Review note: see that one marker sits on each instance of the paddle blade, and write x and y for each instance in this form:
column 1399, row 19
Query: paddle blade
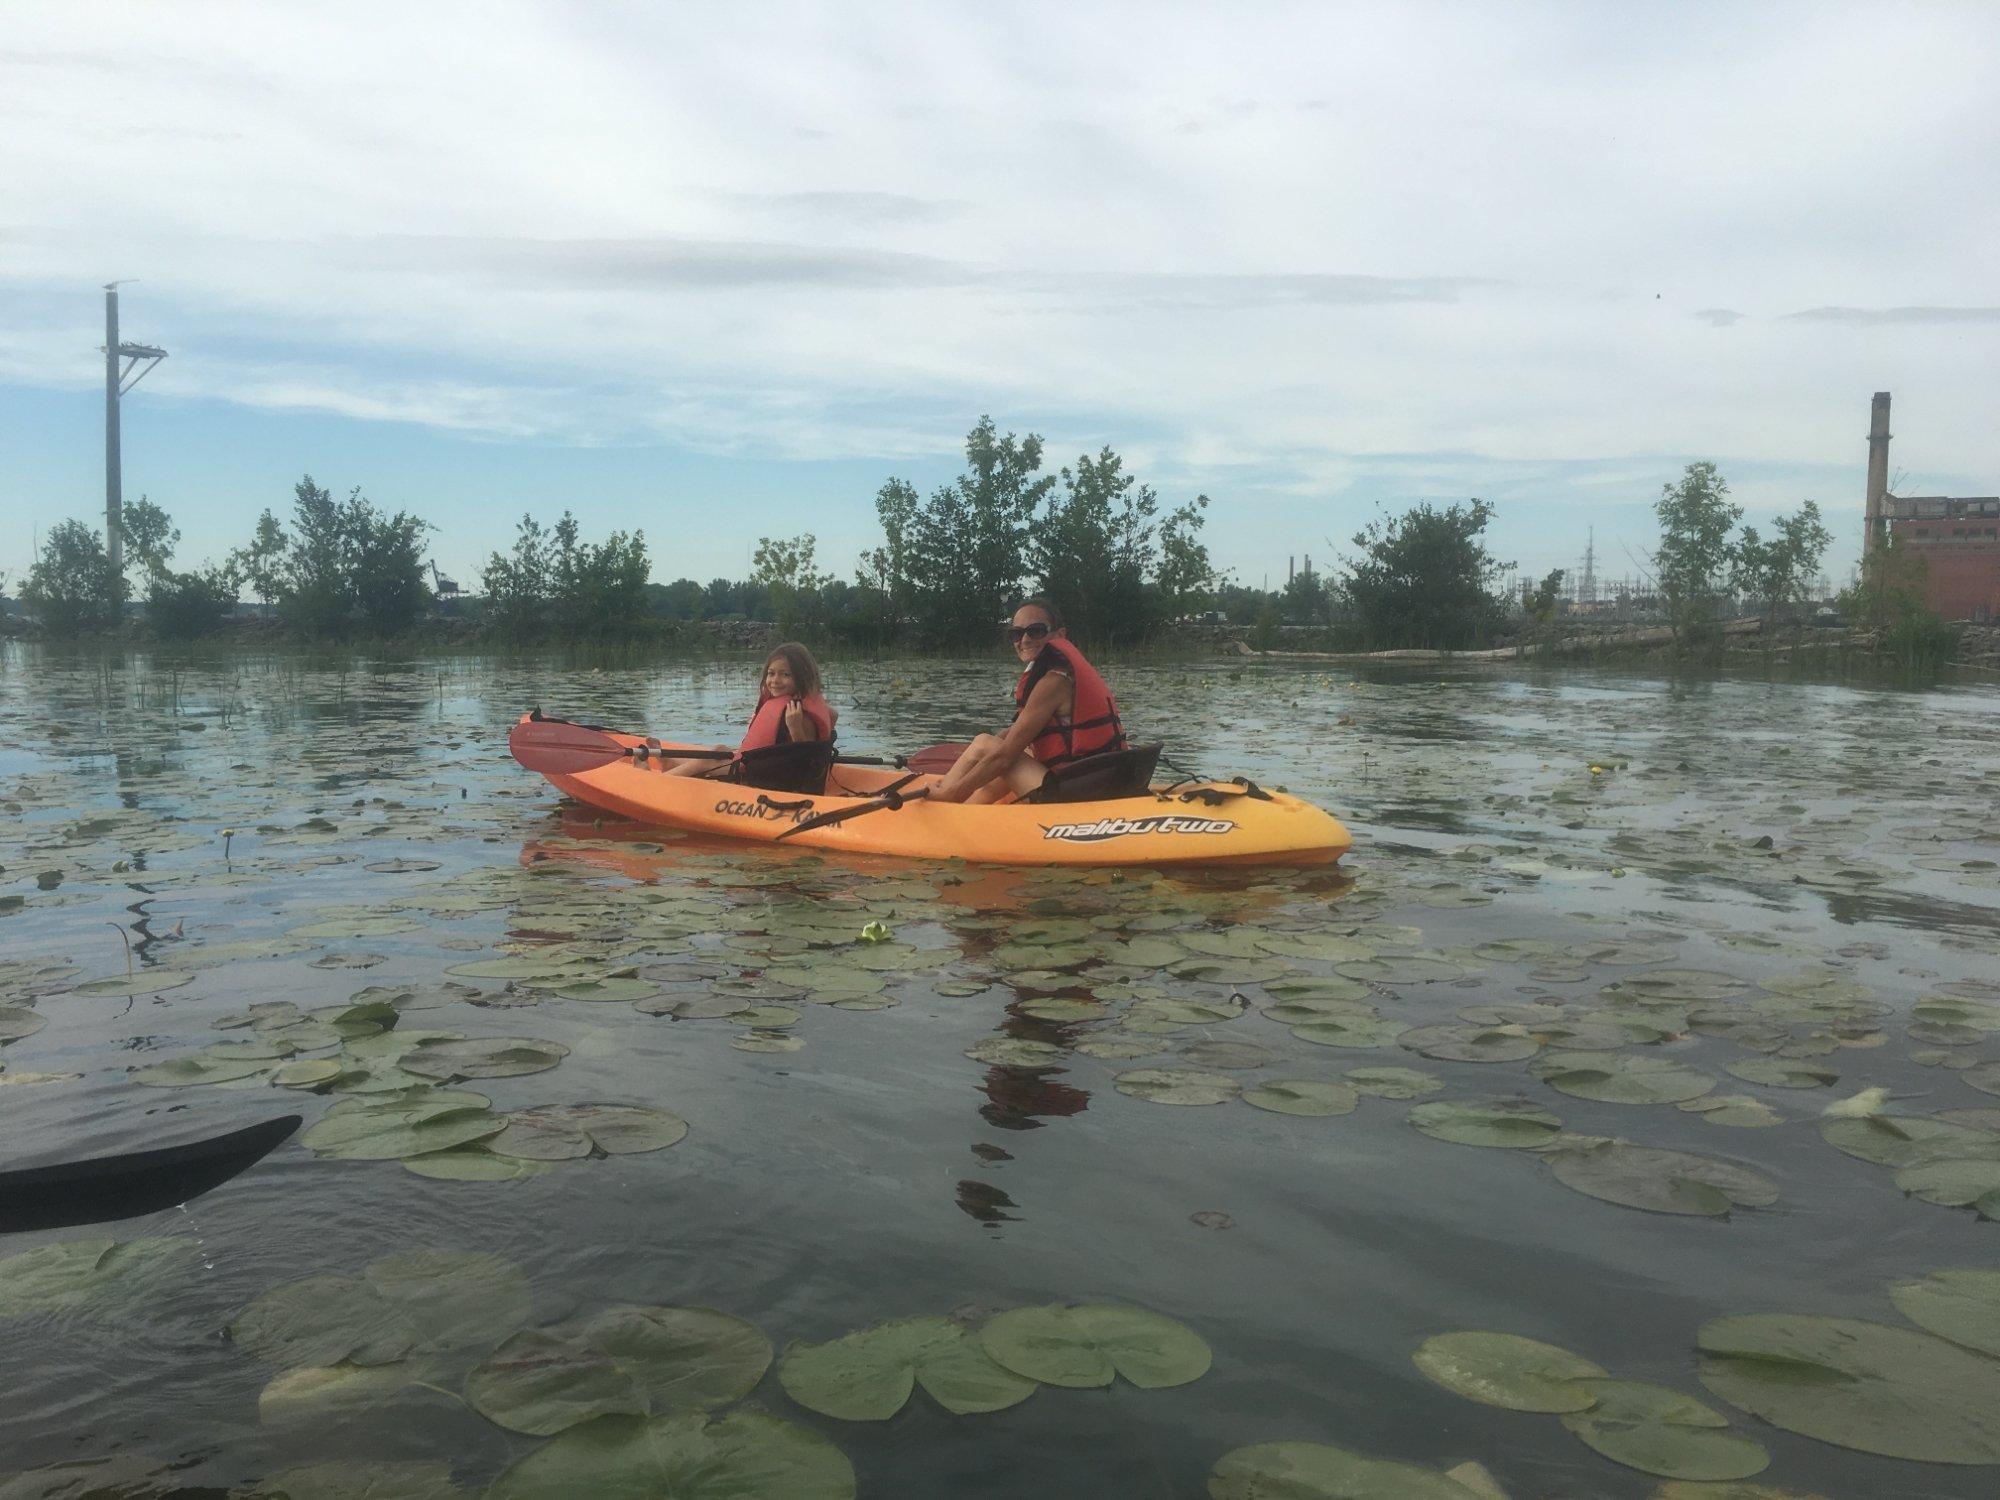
column 107, row 1188
column 556, row 747
column 935, row 760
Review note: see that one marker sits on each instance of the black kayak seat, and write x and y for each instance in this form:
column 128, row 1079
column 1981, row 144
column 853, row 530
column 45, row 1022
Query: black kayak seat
column 1101, row 778
column 792, row 766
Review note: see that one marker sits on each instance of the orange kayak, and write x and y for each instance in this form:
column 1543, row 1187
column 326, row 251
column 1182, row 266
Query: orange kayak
column 1200, row 823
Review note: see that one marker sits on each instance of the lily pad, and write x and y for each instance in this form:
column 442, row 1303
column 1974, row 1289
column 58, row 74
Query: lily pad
column 1482, row 1044
column 1089, row 1345
column 1783, row 1073
column 1300, row 1096
column 400, row 1127
column 1659, row 1181
column 95, row 1279
column 869, row 1375
column 1505, row 1369
column 1486, row 1122
column 1188, row 1086
column 1319, row 1471
column 17, row 1021
column 625, row 1360
column 559, row 1132
column 1955, row 1182
column 347, row 1479
column 1394, row 1083
column 483, row 1057
column 1907, row 1140
column 188, row 1072
column 1962, row 1306
column 1658, row 1430
column 1625, row 1080
column 417, row 1301
column 743, row 1456
column 1857, row 1384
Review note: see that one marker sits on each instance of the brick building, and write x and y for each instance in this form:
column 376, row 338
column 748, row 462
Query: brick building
column 1958, row 536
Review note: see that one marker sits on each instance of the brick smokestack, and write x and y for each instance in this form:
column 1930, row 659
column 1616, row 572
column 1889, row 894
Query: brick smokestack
column 1878, row 472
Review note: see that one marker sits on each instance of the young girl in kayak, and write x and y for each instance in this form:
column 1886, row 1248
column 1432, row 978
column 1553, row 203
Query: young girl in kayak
column 790, row 706
column 1062, row 712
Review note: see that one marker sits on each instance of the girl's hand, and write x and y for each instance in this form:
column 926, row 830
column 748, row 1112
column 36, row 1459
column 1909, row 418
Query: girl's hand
column 799, row 722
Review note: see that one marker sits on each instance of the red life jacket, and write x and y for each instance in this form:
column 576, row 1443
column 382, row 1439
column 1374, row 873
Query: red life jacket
column 768, row 727
column 1091, row 726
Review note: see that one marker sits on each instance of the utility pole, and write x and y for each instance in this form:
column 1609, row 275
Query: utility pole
column 116, row 384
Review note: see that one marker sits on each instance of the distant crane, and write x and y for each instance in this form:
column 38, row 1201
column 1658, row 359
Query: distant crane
column 116, row 383
column 446, row 588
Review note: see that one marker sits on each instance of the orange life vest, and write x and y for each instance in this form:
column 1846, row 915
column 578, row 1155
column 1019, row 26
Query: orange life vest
column 768, row 727
column 1091, row 727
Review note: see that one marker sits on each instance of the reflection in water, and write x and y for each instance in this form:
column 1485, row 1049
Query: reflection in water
column 986, row 1203
column 1017, row 1097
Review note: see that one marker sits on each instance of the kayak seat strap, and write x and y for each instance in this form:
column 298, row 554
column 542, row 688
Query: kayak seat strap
column 1107, row 776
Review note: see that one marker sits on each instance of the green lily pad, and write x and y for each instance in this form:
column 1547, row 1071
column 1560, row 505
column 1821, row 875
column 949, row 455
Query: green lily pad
column 1659, row 1181
column 1505, row 1369
column 1625, row 1080
column 1188, row 1086
column 347, row 1479
column 17, row 1021
column 124, row 1476
column 483, row 1057
column 1908, row 1140
column 624, row 1360
column 1660, row 1431
column 1482, row 1044
column 473, row 1164
column 1300, row 1096
column 1486, row 1122
column 1953, row 1182
column 402, row 1128
column 1089, row 1345
column 560, row 1132
column 1319, row 1471
column 188, row 1072
column 1738, row 1110
column 1014, row 1052
column 96, row 1279
column 1783, row 1073
column 743, row 1456
column 1857, row 1384
column 1394, row 970
column 1393, row 1083
column 414, row 1302
column 323, row 1393
column 1962, row 1306
column 1351, row 1031
column 869, row 1375
column 1226, row 1054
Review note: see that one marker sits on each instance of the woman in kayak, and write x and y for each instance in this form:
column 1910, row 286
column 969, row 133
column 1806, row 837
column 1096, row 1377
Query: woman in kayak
column 1062, row 712
column 790, row 707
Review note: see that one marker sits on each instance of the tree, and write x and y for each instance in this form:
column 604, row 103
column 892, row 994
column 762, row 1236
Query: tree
column 1307, row 599
column 313, row 592
column 1890, row 601
column 784, row 566
column 517, row 585
column 599, row 588
column 1695, row 556
column 150, row 535
column 72, row 586
column 1092, row 550
column 965, row 551
column 386, row 563
column 261, row 563
column 679, row 600
column 1781, row 571
column 1425, row 578
column 1186, row 577
column 1543, row 604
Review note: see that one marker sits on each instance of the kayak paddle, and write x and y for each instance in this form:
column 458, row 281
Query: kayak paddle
column 139, row 1182
column 888, row 800
column 556, row 747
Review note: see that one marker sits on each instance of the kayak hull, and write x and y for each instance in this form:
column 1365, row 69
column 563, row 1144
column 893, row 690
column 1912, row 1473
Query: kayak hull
column 1201, row 824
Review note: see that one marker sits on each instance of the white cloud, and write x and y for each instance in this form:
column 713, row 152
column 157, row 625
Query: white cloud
column 1262, row 246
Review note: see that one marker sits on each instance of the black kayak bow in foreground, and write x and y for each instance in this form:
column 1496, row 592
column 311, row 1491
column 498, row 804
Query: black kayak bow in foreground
column 138, row 1182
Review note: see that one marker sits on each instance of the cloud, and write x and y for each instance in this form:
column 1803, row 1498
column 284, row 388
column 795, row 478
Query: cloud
column 1877, row 316
column 1719, row 317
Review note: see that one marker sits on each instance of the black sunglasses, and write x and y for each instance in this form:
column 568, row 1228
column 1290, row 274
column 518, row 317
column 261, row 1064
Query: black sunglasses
column 1033, row 632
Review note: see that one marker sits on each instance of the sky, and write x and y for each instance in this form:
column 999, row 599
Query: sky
column 718, row 272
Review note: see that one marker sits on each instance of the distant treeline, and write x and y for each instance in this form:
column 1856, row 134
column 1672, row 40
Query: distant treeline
column 948, row 569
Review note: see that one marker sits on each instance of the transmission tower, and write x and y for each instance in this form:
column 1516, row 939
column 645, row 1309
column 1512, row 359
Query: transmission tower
column 1586, row 586
column 116, row 383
